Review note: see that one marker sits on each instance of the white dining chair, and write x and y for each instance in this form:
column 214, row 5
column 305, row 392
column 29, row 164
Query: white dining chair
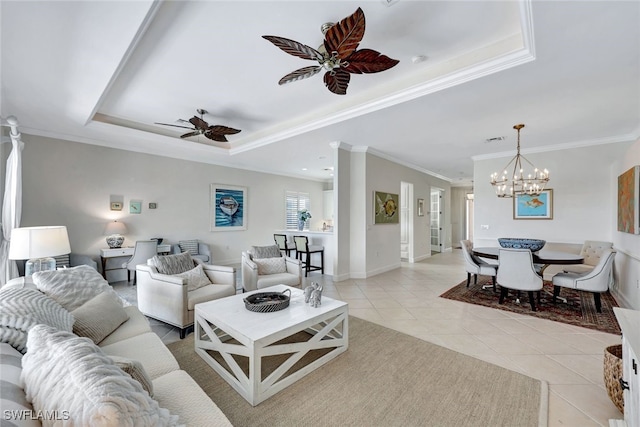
column 516, row 271
column 596, row 281
column 476, row 266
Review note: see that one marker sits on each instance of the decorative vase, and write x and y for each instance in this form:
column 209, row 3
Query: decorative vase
column 300, row 225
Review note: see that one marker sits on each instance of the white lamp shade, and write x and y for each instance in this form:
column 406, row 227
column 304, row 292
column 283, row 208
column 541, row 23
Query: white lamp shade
column 39, row 242
column 115, row 227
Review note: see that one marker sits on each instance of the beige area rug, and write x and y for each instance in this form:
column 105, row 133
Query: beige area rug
column 385, row 378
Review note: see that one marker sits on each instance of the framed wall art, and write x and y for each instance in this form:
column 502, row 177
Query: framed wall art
column 629, row 201
column 385, row 208
column 420, row 207
column 228, row 207
column 533, row 207
column 135, row 206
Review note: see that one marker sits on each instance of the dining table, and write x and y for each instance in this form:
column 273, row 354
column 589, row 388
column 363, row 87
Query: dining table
column 544, row 257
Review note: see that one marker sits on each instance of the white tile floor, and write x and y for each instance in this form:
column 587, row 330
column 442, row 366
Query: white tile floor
column 569, row 358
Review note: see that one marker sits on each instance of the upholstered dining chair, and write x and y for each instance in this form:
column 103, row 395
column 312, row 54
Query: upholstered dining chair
column 596, row 281
column 516, row 272
column 144, row 250
column 477, row 266
column 283, row 244
column 304, row 249
column 592, row 251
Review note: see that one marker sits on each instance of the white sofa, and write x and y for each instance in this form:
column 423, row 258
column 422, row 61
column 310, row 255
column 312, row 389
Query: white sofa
column 173, row 389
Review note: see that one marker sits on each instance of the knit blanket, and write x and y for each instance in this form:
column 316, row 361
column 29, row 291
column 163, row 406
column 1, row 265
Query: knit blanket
column 22, row 309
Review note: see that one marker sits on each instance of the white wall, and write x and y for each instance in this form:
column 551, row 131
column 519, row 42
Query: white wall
column 580, row 179
column 584, row 183
column 67, row 183
column 628, row 245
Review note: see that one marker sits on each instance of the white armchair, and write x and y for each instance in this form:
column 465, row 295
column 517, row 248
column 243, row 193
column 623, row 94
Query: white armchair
column 167, row 298
column 257, row 277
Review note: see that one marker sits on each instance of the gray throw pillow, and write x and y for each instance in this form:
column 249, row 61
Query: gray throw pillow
column 99, row 316
column 265, row 252
column 190, row 246
column 173, row 264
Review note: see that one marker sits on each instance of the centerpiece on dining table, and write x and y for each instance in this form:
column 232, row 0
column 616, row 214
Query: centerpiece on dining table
column 534, row 245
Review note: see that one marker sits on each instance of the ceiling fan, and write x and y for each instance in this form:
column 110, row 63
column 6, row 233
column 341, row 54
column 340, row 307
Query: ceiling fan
column 200, row 127
column 337, row 55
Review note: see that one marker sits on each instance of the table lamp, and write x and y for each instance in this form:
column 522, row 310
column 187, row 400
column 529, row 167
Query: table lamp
column 114, row 231
column 38, row 245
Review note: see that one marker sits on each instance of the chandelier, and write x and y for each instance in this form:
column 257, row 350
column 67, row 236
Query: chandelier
column 519, row 182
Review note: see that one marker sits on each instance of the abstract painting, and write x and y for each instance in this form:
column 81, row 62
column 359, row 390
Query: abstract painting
column 628, row 201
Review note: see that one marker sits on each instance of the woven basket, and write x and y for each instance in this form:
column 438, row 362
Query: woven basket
column 613, row 373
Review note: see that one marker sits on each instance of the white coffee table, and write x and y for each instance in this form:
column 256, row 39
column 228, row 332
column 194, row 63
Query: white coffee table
column 254, row 334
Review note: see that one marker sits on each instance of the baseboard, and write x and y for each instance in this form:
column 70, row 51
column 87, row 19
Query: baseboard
column 420, row 258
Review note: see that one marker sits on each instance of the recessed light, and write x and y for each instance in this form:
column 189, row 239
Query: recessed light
column 304, row 169
column 418, row 59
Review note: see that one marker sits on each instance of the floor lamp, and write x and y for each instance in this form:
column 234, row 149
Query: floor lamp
column 38, row 245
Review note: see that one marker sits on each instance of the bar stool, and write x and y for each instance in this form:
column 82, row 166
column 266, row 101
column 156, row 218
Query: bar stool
column 283, row 244
column 303, row 247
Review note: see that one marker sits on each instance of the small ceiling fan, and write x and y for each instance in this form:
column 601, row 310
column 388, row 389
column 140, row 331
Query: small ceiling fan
column 337, row 55
column 200, row 127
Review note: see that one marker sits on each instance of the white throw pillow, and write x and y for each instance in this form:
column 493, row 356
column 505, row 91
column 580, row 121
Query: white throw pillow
column 196, row 278
column 99, row 316
column 73, row 376
column 22, row 309
column 271, row 265
column 71, row 287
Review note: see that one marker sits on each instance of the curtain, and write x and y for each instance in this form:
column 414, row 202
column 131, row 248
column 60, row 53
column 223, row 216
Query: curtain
column 12, row 203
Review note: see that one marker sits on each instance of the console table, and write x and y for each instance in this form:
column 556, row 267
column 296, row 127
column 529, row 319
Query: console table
column 107, row 253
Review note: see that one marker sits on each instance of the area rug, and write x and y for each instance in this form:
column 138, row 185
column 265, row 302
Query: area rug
column 580, row 309
column 385, row 378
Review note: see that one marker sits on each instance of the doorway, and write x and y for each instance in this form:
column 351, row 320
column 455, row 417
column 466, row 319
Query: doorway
column 436, row 220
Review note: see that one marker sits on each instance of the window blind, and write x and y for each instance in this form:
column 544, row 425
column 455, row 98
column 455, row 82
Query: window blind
column 294, row 202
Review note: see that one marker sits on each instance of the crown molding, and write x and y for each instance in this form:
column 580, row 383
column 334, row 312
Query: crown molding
column 630, row 137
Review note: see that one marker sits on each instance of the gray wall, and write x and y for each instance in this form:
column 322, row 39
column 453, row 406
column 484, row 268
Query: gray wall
column 68, row 183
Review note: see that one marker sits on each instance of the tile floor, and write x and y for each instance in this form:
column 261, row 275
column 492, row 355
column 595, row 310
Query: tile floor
column 569, row 358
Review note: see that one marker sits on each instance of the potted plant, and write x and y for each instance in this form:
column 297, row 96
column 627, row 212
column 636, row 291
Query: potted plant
column 303, row 216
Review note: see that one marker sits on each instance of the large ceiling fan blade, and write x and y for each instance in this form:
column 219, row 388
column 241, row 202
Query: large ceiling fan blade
column 345, row 36
column 295, row 48
column 175, row 126
column 300, row 74
column 368, row 61
column 187, row 135
column 198, row 123
column 337, row 81
column 215, row 136
column 223, row 130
